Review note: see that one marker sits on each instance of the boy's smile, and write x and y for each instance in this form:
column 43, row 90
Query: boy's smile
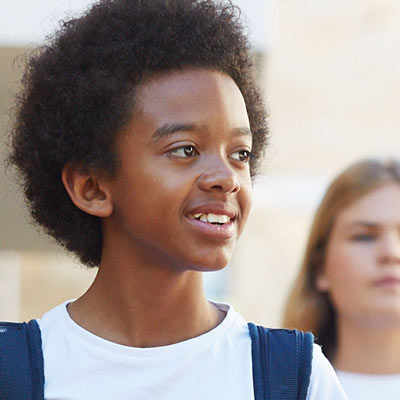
column 182, row 194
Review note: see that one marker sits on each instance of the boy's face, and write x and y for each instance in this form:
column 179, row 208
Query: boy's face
column 182, row 194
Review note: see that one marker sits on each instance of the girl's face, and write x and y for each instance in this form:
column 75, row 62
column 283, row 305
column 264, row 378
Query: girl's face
column 362, row 262
column 183, row 191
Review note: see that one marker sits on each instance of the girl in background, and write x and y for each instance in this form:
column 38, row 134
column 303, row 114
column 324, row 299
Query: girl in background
column 348, row 289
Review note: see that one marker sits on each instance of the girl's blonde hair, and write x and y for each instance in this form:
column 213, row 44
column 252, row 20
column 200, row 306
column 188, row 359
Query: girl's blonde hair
column 307, row 308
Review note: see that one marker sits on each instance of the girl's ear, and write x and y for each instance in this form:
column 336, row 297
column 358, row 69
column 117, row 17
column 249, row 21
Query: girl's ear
column 322, row 281
column 318, row 262
column 87, row 190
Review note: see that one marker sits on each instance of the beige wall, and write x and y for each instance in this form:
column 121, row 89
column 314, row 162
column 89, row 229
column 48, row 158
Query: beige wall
column 32, row 282
column 332, row 85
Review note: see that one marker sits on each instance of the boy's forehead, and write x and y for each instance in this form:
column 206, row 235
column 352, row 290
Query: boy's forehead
column 179, row 81
column 190, row 92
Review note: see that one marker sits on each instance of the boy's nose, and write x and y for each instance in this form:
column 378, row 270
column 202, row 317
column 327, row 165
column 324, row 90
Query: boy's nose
column 219, row 176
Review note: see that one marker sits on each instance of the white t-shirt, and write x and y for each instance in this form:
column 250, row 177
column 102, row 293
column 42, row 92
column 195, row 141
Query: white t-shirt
column 215, row 365
column 370, row 387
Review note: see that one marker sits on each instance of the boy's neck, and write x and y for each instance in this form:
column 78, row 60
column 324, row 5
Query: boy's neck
column 372, row 349
column 145, row 307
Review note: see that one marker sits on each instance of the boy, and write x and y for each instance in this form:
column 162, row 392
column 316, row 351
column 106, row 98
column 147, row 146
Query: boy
column 138, row 131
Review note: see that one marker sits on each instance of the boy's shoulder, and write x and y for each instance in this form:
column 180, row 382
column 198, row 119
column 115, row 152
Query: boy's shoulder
column 55, row 313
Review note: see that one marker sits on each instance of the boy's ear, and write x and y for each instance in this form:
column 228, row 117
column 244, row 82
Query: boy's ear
column 87, row 190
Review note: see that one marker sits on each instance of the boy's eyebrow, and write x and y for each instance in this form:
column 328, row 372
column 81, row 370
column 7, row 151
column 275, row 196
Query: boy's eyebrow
column 170, row 129
column 242, row 132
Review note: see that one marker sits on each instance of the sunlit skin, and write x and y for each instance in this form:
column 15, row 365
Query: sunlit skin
column 362, row 276
column 185, row 152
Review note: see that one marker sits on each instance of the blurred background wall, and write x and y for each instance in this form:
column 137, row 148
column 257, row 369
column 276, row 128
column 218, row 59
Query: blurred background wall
column 329, row 73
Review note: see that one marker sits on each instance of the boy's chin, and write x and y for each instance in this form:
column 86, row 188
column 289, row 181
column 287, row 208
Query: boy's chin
column 213, row 268
column 205, row 260
column 213, row 265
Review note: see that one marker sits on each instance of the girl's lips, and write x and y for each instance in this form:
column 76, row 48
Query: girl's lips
column 213, row 231
column 389, row 282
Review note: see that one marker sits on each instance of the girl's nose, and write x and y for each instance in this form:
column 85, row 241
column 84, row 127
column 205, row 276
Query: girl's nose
column 390, row 249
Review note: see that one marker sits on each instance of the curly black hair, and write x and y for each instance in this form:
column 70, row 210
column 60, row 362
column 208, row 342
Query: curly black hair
column 78, row 92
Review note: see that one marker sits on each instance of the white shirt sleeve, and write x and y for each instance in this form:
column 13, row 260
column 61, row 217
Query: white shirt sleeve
column 324, row 384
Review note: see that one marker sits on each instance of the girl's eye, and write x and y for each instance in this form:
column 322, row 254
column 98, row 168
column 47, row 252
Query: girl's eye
column 241, row 155
column 184, row 151
column 363, row 237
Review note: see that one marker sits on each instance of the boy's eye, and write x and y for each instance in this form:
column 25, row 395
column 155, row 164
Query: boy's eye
column 184, row 151
column 241, row 155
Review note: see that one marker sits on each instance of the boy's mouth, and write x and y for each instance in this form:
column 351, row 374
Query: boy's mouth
column 216, row 225
column 215, row 219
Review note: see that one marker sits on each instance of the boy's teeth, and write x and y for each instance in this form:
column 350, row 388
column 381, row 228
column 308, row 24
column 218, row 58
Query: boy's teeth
column 212, row 218
column 221, row 219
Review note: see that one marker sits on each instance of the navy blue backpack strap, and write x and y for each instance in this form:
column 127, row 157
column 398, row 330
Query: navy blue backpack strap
column 281, row 363
column 21, row 361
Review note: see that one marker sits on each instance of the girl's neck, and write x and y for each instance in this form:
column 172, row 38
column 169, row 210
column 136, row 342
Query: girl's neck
column 371, row 349
column 145, row 307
